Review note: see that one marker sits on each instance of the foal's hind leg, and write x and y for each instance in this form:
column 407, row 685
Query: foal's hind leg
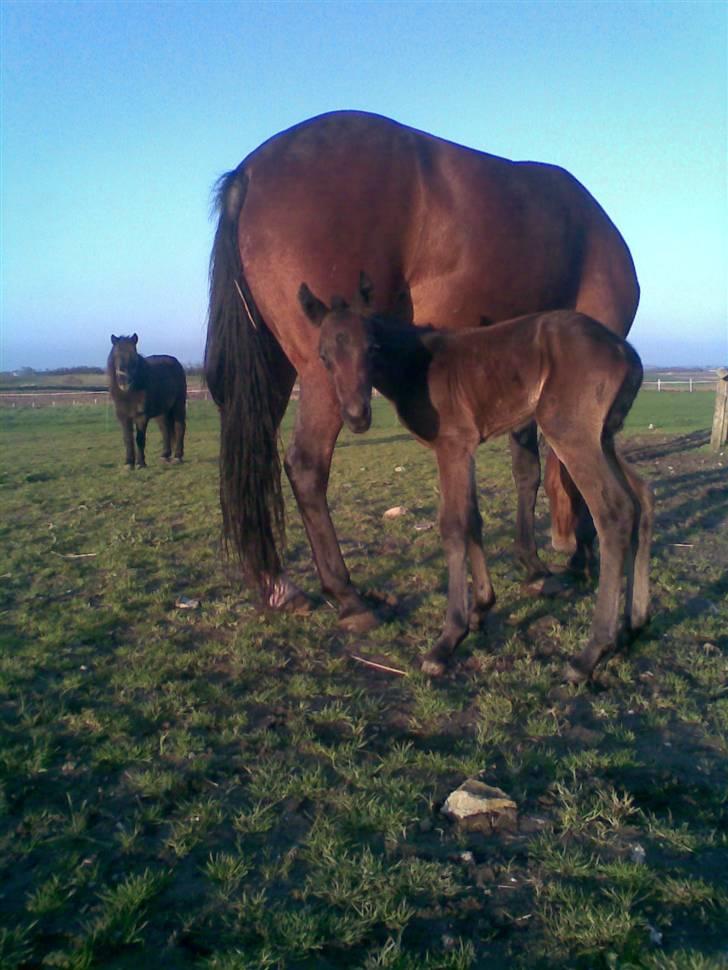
column 637, row 601
column 483, row 592
column 527, row 476
column 612, row 509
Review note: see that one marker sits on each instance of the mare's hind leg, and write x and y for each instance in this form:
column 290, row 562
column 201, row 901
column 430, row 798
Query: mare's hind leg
column 307, row 463
column 483, row 592
column 454, row 461
column 612, row 509
column 141, row 441
column 527, row 477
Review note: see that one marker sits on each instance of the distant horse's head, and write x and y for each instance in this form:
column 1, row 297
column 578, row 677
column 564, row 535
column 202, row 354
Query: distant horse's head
column 345, row 347
column 124, row 362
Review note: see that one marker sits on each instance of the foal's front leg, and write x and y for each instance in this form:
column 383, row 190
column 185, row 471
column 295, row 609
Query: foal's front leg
column 307, row 464
column 483, row 592
column 454, row 461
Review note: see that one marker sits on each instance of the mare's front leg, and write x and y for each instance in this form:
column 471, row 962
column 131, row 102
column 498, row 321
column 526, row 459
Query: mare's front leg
column 141, row 440
column 307, row 463
column 127, row 429
column 527, row 477
column 454, row 460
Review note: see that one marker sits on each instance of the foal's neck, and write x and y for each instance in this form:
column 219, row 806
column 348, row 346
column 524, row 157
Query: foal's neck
column 401, row 358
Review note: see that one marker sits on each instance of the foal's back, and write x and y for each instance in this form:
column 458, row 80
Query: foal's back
column 550, row 366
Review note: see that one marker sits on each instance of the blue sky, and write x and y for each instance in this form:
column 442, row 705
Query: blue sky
column 117, row 117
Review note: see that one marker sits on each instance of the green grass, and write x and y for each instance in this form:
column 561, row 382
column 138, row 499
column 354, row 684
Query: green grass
column 221, row 789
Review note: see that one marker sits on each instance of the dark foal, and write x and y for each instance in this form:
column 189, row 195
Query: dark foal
column 144, row 388
column 455, row 389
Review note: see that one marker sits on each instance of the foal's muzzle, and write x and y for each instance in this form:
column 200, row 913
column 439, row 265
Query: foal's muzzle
column 359, row 419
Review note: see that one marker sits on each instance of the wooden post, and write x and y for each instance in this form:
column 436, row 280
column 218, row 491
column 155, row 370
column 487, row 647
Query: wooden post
column 719, row 435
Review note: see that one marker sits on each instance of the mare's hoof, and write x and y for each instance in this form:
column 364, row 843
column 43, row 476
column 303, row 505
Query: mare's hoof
column 548, row 586
column 166, row 459
column 178, row 461
column 575, row 674
column 297, row 604
column 361, row 622
column 143, row 465
column 432, row 668
column 129, row 467
column 563, row 543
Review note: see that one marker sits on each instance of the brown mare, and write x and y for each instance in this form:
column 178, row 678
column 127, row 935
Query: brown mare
column 453, row 390
column 468, row 237
column 144, row 388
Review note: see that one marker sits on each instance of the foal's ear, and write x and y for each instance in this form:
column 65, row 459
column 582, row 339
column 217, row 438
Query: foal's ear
column 314, row 309
column 134, row 339
column 366, row 290
column 114, row 340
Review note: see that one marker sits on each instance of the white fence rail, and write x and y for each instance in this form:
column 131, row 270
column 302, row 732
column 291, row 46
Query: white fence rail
column 689, row 384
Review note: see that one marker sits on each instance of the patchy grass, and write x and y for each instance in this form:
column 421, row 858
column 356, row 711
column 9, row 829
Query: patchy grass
column 220, row 789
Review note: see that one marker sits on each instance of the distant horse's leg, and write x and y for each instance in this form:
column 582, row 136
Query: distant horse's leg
column 165, row 426
column 178, row 424
column 307, row 463
column 612, row 508
column 483, row 593
column 637, row 600
column 454, row 464
column 127, row 428
column 572, row 529
column 141, row 441
column 527, row 476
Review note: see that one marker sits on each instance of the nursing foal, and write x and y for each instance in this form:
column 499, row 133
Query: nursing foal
column 455, row 389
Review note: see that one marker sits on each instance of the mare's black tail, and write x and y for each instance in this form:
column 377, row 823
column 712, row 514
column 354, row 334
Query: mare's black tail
column 239, row 356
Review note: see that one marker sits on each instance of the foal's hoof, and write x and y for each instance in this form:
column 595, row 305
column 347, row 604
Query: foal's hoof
column 360, row 622
column 432, row 668
column 547, row 586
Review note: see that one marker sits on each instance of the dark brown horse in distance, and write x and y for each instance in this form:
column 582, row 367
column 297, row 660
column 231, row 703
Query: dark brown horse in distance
column 453, row 390
column 144, row 388
column 466, row 237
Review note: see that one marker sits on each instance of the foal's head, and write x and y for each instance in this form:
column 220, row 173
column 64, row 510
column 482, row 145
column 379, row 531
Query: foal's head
column 124, row 361
column 345, row 347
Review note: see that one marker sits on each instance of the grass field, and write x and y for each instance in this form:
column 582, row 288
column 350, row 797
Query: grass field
column 221, row 789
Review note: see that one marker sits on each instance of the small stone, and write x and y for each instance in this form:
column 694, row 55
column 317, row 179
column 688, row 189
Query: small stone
column 481, row 807
column 184, row 603
column 638, row 855
column 395, row 512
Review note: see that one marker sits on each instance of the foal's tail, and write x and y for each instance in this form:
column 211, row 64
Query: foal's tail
column 627, row 392
column 239, row 356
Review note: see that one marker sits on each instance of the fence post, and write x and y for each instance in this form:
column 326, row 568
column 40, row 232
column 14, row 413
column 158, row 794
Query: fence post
column 691, row 385
column 719, row 435
column 658, row 383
